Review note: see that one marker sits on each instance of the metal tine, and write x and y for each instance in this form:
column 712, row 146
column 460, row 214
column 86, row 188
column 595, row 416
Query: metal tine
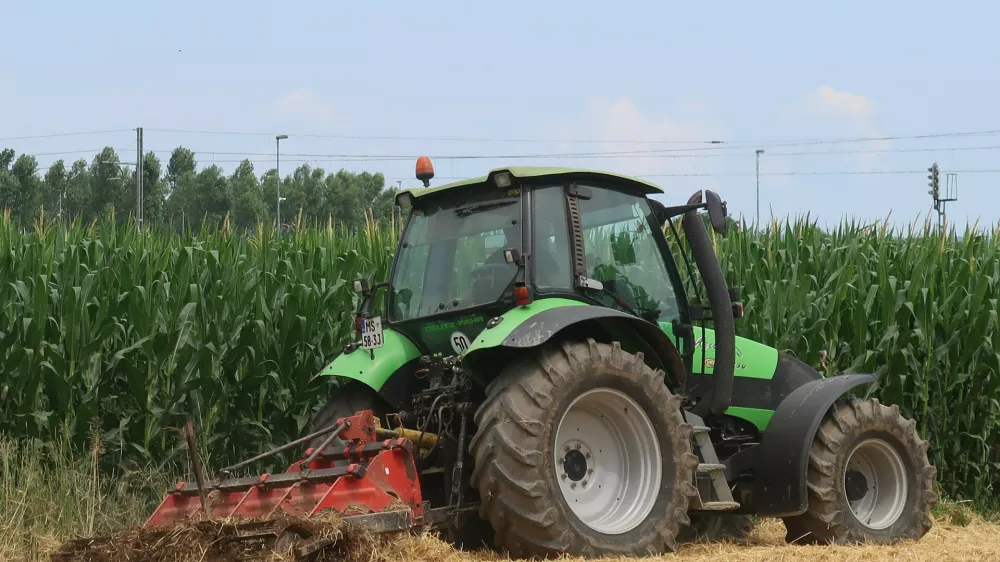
column 196, row 461
column 321, row 448
column 337, row 430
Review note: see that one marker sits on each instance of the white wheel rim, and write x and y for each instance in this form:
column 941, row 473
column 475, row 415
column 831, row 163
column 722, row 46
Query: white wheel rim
column 607, row 461
column 875, row 469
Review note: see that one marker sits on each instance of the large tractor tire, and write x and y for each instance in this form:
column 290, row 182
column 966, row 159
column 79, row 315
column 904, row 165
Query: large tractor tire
column 869, row 479
column 581, row 449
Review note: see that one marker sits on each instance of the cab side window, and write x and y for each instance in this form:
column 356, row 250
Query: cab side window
column 623, row 255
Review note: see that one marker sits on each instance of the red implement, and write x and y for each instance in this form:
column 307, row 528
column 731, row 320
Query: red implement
column 369, row 479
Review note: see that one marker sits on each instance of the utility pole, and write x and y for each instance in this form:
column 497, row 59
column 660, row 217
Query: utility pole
column 277, row 169
column 138, row 175
column 759, row 152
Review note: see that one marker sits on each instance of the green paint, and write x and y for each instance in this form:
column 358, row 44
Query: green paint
column 756, row 416
column 450, row 324
column 441, row 337
column 492, row 337
column 360, row 366
column 753, row 360
column 522, row 172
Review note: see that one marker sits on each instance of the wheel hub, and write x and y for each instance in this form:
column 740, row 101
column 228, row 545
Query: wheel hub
column 575, row 465
column 607, row 461
column 855, row 485
column 875, row 484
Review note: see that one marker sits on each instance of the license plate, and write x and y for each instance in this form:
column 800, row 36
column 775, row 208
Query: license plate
column 371, row 333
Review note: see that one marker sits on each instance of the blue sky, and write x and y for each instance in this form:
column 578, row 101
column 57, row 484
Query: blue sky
column 509, row 77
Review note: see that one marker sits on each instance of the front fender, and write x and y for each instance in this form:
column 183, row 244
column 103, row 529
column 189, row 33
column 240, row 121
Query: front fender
column 783, row 453
column 535, row 324
column 374, row 368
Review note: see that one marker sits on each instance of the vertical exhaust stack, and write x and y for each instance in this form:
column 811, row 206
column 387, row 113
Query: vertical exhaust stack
column 719, row 399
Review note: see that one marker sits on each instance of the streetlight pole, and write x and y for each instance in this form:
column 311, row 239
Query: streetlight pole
column 759, row 151
column 277, row 169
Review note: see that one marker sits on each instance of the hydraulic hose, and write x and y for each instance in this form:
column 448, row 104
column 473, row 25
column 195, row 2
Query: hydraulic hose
column 722, row 312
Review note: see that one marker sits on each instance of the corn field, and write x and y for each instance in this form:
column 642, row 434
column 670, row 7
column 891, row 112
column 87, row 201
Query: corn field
column 126, row 330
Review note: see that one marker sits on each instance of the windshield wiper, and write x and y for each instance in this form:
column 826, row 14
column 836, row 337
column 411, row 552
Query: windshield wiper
column 480, row 207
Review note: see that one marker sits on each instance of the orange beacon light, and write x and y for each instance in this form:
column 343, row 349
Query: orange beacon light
column 425, row 170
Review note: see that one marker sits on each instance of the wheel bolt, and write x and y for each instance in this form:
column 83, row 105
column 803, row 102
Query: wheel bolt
column 584, row 483
column 573, row 485
column 567, row 449
column 589, row 471
column 587, row 455
column 578, row 446
column 563, row 476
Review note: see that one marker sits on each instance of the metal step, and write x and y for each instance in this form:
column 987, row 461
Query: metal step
column 723, row 500
column 719, row 506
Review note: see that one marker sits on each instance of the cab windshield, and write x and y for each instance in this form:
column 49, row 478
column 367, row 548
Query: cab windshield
column 451, row 255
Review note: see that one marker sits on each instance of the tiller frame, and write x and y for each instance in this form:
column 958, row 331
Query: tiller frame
column 375, row 488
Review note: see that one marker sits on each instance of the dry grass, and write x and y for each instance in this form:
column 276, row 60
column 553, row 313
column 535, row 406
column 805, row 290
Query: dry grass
column 947, row 541
column 957, row 536
column 48, row 498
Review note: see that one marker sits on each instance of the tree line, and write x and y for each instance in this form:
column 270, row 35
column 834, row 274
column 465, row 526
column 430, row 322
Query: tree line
column 180, row 194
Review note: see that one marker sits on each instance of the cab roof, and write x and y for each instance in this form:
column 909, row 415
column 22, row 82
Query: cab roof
column 523, row 172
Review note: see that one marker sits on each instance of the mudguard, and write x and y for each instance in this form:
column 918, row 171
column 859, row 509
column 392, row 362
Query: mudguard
column 532, row 325
column 782, row 458
column 377, row 366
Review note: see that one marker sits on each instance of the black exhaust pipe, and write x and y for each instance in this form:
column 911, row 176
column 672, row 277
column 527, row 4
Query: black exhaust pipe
column 719, row 399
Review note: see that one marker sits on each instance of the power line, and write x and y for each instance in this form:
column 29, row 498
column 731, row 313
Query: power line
column 751, row 174
column 608, row 154
column 95, row 150
column 799, row 142
column 53, row 135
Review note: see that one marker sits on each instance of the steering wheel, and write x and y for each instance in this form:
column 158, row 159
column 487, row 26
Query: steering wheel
column 490, row 269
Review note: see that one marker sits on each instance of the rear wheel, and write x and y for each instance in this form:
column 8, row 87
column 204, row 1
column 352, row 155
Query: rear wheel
column 581, row 449
column 869, row 479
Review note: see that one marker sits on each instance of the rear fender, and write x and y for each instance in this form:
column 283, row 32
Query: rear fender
column 533, row 325
column 377, row 368
column 782, row 458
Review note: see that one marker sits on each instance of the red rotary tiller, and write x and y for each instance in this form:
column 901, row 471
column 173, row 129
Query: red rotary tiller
column 369, row 484
column 371, row 477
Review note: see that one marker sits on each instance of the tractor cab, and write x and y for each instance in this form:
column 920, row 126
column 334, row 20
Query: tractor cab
column 473, row 250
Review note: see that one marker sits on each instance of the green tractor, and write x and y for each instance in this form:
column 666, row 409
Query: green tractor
column 538, row 344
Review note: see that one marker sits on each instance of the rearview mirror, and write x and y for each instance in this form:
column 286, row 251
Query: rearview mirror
column 717, row 212
column 659, row 211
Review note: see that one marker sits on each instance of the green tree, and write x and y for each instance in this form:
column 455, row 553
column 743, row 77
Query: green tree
column 109, row 185
column 247, row 197
column 77, row 202
column 24, row 202
column 181, row 161
column 54, row 189
column 153, row 189
column 6, row 158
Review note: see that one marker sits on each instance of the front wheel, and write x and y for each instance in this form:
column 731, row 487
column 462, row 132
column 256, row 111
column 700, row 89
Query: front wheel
column 581, row 449
column 349, row 399
column 869, row 479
